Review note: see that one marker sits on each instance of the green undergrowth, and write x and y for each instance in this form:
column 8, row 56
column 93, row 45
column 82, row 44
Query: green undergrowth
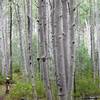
column 2, row 80
column 84, row 82
column 87, row 87
column 22, row 89
column 39, row 84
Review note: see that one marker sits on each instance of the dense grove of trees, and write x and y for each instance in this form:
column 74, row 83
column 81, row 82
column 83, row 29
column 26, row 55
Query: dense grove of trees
column 54, row 45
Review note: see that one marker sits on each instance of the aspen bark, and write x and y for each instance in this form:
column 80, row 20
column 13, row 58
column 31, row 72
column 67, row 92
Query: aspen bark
column 23, row 62
column 72, row 48
column 98, row 35
column 92, row 39
column 40, row 39
column 45, row 52
column 29, row 49
column 43, row 46
column 2, row 40
column 10, row 32
column 53, row 26
column 61, row 80
column 65, row 38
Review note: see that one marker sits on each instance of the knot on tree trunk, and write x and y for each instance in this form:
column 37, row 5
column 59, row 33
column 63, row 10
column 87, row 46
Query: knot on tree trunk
column 38, row 59
column 43, row 58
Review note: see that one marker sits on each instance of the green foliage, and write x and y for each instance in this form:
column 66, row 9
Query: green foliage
column 83, row 62
column 24, row 89
column 17, row 77
column 84, row 83
column 39, row 86
column 54, row 90
column 87, row 87
column 84, row 11
column 20, row 90
column 2, row 79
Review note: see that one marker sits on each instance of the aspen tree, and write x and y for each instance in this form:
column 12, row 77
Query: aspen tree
column 10, row 33
column 43, row 46
column 98, row 34
column 29, row 46
column 23, row 62
column 92, row 38
column 61, row 79
column 72, row 48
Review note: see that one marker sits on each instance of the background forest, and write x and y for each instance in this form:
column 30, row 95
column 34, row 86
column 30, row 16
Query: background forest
column 50, row 49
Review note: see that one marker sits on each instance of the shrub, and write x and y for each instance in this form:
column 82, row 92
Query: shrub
column 2, row 80
column 20, row 90
column 84, row 83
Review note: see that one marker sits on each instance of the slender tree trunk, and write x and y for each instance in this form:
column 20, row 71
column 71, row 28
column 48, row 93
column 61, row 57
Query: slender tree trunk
column 53, row 26
column 45, row 51
column 2, row 40
column 26, row 39
column 61, row 80
column 98, row 35
column 10, row 39
column 3, row 54
column 77, row 40
column 72, row 50
column 65, row 38
column 30, row 58
column 43, row 46
column 23, row 62
column 53, row 31
column 6, row 46
column 92, row 39
column 40, row 36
